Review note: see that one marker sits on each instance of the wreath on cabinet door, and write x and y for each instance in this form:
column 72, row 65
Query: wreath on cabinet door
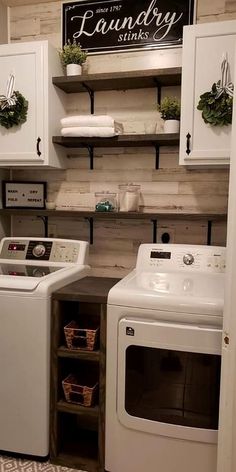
column 217, row 105
column 13, row 106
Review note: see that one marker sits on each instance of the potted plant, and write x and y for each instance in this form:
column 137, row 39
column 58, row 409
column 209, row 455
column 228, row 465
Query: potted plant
column 72, row 57
column 170, row 113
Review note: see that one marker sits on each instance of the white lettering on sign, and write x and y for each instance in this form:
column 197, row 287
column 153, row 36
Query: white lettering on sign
column 164, row 23
column 34, row 199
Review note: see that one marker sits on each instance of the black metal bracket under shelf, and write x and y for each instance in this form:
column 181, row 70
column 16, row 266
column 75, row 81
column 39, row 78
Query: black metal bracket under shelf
column 157, row 162
column 91, row 96
column 209, row 232
column 158, row 87
column 91, row 148
column 154, row 229
column 45, row 222
column 91, row 155
column 91, row 232
column 90, row 221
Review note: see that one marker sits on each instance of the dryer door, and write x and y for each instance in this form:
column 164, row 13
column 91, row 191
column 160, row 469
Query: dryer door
column 169, row 378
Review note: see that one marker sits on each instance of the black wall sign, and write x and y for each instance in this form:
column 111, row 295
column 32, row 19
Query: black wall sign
column 117, row 25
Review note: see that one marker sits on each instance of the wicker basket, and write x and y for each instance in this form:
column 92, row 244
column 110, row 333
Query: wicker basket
column 78, row 337
column 75, row 392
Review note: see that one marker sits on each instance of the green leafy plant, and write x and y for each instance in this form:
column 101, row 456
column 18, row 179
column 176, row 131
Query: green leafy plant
column 14, row 115
column 71, row 53
column 170, row 108
column 216, row 110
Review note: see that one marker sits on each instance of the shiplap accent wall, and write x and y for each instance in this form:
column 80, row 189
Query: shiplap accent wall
column 168, row 189
column 3, row 23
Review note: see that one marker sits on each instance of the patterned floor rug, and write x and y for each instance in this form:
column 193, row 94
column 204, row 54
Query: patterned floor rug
column 10, row 464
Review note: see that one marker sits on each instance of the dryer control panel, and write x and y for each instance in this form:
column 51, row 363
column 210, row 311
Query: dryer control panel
column 180, row 257
column 45, row 249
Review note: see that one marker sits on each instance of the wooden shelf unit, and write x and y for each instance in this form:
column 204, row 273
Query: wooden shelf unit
column 122, row 140
column 91, row 216
column 114, row 215
column 91, row 83
column 77, row 433
column 119, row 80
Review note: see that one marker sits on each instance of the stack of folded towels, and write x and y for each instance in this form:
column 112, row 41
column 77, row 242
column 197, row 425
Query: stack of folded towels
column 102, row 126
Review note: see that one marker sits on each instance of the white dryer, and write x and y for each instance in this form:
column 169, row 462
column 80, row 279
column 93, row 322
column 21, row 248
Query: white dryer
column 30, row 270
column 164, row 328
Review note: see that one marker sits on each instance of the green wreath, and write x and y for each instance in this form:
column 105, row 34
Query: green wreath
column 217, row 105
column 14, row 114
column 216, row 110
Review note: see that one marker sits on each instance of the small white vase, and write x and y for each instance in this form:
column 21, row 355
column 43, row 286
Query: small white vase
column 171, row 126
column 73, row 69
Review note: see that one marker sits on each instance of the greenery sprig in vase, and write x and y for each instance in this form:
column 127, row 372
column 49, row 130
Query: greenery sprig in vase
column 72, row 54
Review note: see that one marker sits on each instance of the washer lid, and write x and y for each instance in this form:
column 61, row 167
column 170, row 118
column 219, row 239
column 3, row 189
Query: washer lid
column 176, row 291
column 24, row 277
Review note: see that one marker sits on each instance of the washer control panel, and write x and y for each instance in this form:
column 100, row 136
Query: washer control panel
column 180, row 257
column 53, row 250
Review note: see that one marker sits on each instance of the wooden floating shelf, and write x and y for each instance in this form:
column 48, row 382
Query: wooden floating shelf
column 78, row 354
column 77, row 409
column 119, row 80
column 114, row 215
column 122, row 140
column 81, row 290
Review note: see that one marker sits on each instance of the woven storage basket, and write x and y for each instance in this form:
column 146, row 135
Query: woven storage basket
column 77, row 393
column 78, row 337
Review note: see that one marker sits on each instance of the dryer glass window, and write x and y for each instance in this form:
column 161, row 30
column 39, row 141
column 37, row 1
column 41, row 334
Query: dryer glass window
column 173, row 387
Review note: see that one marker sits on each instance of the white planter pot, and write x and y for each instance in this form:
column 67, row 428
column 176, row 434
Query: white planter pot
column 73, row 69
column 171, row 126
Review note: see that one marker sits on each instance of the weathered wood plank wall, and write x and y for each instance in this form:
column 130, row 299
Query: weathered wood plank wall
column 172, row 187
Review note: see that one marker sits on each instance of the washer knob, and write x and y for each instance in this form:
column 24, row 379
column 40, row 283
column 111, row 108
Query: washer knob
column 188, row 259
column 39, row 250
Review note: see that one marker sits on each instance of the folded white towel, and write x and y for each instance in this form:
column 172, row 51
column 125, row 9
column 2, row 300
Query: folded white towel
column 89, row 131
column 87, row 120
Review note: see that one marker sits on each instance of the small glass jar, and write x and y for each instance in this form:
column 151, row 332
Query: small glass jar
column 105, row 201
column 129, row 197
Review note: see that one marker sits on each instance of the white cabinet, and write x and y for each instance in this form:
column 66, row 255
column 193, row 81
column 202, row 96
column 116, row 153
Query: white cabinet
column 33, row 64
column 204, row 46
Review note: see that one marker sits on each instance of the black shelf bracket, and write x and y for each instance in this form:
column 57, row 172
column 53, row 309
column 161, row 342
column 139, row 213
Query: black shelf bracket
column 91, row 155
column 45, row 222
column 209, row 231
column 91, row 96
column 154, row 231
column 158, row 86
column 90, row 221
column 157, row 164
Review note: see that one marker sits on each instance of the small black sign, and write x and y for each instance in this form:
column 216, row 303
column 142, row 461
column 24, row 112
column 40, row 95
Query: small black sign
column 17, row 194
column 118, row 25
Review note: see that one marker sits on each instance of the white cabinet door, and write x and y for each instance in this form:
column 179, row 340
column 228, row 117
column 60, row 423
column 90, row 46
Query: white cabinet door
column 21, row 143
column 204, row 47
column 33, row 65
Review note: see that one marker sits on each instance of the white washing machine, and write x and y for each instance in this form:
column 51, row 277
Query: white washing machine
column 164, row 328
column 30, row 270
